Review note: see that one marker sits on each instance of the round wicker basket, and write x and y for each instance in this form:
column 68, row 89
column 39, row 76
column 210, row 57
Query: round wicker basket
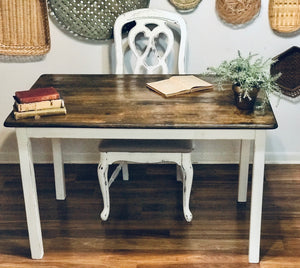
column 237, row 11
column 185, row 4
column 93, row 20
column 284, row 15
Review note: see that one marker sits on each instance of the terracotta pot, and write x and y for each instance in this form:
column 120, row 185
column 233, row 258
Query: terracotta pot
column 244, row 103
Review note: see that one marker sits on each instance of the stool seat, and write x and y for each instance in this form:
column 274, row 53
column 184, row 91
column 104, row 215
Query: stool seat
column 145, row 146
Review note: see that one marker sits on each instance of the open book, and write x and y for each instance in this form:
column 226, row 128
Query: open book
column 176, row 85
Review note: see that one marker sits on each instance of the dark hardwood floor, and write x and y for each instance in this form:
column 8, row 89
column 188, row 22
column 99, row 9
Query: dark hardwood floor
column 146, row 227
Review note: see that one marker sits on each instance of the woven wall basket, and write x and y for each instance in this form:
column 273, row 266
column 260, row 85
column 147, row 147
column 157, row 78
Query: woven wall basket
column 24, row 28
column 185, row 4
column 237, row 11
column 284, row 15
column 288, row 64
column 92, row 20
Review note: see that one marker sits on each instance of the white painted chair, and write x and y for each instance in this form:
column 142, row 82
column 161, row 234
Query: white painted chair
column 151, row 41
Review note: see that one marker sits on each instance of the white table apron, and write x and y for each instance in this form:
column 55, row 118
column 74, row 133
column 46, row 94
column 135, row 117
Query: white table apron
column 245, row 135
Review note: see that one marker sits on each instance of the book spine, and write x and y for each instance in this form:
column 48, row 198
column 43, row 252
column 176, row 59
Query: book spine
column 38, row 113
column 33, row 106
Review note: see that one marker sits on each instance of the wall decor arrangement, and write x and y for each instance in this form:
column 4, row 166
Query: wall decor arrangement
column 185, row 5
column 237, row 12
column 24, row 28
column 284, row 15
column 288, row 64
column 91, row 19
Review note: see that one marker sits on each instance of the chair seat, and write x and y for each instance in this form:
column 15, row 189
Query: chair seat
column 144, row 146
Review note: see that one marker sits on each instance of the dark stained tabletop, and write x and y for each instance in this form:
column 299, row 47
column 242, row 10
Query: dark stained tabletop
column 124, row 101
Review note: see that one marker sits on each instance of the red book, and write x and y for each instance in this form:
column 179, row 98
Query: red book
column 37, row 94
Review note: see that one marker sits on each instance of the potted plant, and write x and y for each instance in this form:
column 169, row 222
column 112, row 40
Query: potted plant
column 248, row 76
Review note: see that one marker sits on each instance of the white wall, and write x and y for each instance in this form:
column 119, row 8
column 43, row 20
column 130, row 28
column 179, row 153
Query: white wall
column 211, row 41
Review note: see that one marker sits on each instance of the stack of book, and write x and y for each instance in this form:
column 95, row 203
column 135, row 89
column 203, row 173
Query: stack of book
column 38, row 102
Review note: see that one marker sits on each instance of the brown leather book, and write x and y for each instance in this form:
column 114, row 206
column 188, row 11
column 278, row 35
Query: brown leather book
column 37, row 94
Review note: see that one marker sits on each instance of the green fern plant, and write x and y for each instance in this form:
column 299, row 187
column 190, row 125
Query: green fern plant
column 249, row 73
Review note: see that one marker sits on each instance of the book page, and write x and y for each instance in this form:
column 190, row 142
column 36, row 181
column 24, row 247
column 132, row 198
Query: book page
column 190, row 81
column 176, row 85
column 167, row 86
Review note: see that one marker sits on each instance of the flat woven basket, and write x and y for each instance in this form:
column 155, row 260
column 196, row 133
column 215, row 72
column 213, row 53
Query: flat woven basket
column 24, row 27
column 237, row 11
column 92, row 20
column 288, row 64
column 284, row 15
column 185, row 4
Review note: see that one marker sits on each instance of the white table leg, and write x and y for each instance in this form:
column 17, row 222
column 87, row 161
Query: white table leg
column 30, row 194
column 59, row 172
column 244, row 169
column 257, row 196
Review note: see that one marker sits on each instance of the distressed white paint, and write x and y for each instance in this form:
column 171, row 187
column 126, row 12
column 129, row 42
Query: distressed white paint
column 149, row 55
column 183, row 160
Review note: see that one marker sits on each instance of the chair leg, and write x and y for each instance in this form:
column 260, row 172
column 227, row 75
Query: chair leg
column 125, row 171
column 187, row 180
column 103, row 181
column 178, row 173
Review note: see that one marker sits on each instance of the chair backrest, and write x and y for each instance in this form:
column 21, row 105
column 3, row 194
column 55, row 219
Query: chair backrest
column 150, row 41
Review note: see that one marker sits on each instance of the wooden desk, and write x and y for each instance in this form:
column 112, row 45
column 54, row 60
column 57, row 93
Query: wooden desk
column 120, row 106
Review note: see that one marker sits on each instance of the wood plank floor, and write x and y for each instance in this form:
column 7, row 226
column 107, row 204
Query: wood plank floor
column 146, row 227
